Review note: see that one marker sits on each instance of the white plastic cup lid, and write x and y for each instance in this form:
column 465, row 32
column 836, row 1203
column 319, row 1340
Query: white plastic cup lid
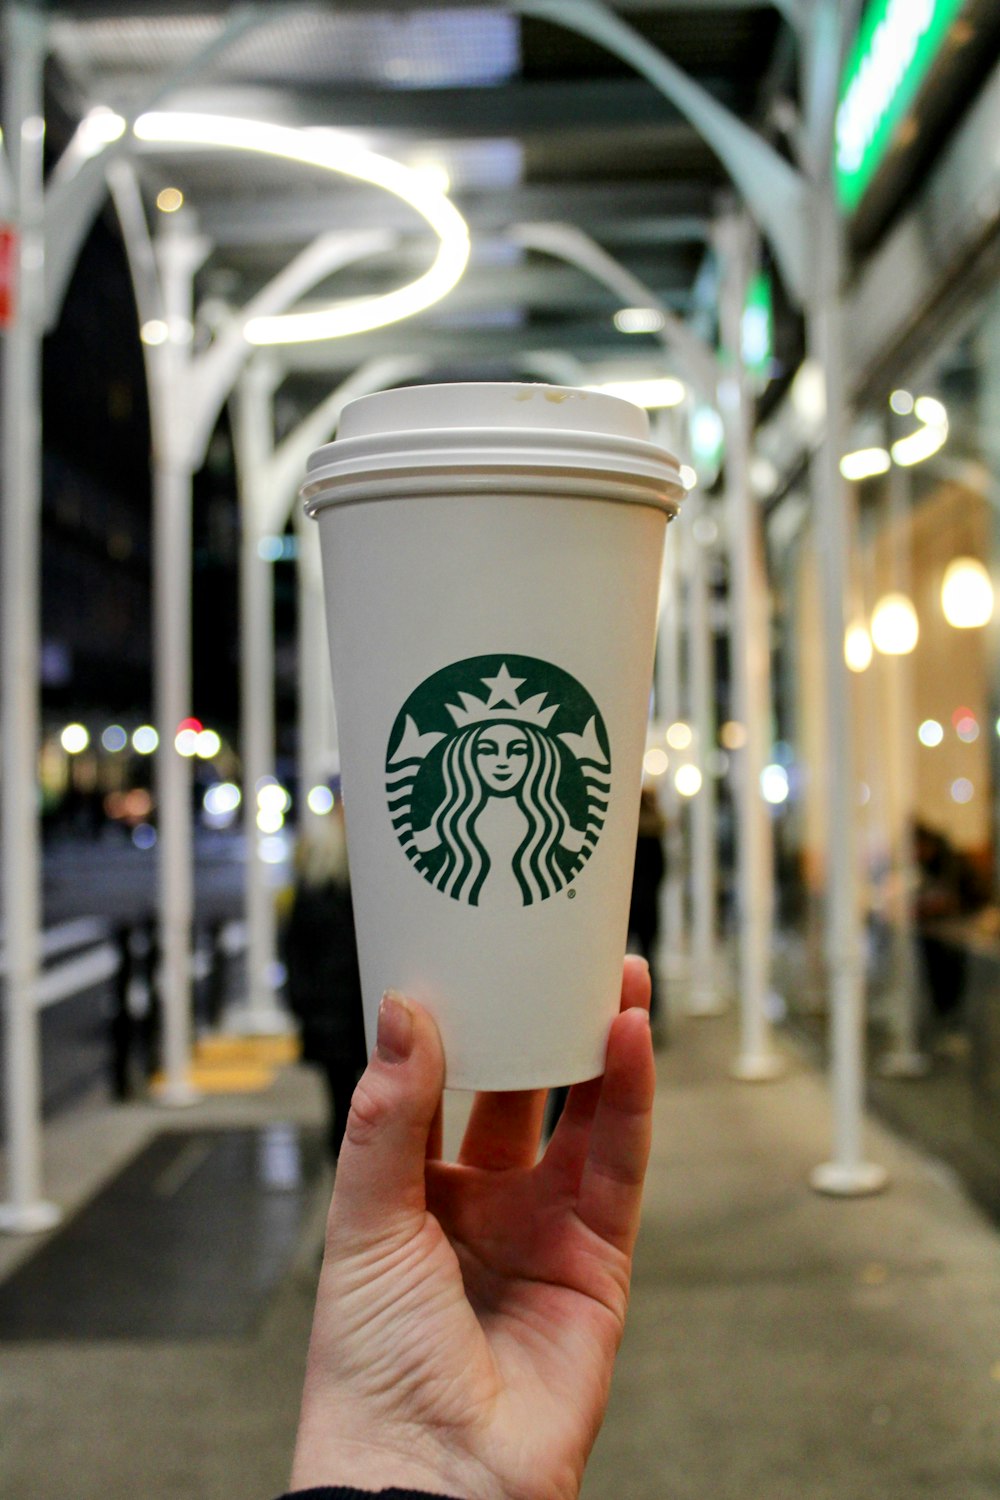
column 446, row 438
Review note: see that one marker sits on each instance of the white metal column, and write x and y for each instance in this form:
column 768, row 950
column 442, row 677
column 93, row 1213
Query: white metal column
column 749, row 672
column 673, row 947
column 797, row 210
column 704, row 998
column 25, row 1211
column 178, row 255
column 318, row 757
column 252, row 429
column 847, row 1174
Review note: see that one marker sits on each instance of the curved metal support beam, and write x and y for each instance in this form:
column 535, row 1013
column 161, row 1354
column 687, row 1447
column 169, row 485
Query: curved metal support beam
column 6, row 184
column 573, row 245
column 794, row 12
column 288, row 461
column 774, row 191
column 77, row 186
column 215, row 371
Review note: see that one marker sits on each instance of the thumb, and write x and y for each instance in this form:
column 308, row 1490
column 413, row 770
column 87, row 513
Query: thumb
column 379, row 1192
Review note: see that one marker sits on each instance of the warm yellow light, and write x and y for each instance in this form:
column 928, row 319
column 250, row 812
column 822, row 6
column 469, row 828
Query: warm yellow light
column 966, row 594
column 864, row 462
column 928, row 439
column 332, row 153
column 655, row 761
column 895, row 629
column 169, row 200
column 679, row 735
column 689, row 477
column 662, row 391
column 688, row 780
column 733, row 735
column 857, row 648
column 155, row 331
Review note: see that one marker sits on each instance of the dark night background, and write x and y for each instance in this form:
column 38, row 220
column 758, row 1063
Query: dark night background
column 96, row 580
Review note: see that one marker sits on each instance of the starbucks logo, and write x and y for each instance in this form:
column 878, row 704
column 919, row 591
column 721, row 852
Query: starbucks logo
column 498, row 774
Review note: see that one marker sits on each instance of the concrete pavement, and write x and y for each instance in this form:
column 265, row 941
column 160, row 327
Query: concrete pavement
column 780, row 1345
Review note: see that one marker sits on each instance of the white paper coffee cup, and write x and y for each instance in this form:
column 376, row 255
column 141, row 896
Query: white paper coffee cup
column 492, row 561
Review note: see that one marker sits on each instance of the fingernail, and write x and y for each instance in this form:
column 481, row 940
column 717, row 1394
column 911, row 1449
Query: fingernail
column 395, row 1028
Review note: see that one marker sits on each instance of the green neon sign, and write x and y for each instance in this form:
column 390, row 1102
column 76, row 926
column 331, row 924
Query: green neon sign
column 895, row 47
column 757, row 328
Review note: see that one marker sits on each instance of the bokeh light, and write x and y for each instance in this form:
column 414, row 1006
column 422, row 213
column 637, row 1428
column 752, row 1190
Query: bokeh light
column 169, row 200
column 688, row 780
column 655, row 761
column 74, row 739
column 774, row 784
column 221, row 798
column 966, row 594
column 272, row 850
column 145, row 740
column 930, row 733
column 208, row 744
column 858, row 648
column 320, row 800
column 895, row 629
column 114, row 738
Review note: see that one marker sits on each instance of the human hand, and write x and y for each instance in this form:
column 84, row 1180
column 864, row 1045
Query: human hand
column 468, row 1313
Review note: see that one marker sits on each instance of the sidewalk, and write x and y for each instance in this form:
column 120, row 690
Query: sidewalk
column 781, row 1346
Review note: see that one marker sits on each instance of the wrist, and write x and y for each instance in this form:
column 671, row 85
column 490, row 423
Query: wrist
column 342, row 1492
column 408, row 1462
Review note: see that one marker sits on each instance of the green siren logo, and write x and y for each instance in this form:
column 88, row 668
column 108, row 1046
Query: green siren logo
column 498, row 795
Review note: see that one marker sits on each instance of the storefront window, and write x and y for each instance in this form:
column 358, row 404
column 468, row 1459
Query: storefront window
column 925, row 655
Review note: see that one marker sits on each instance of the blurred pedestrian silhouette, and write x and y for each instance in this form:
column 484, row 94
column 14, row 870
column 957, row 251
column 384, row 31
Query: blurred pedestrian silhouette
column 644, row 908
column 946, row 888
column 324, row 985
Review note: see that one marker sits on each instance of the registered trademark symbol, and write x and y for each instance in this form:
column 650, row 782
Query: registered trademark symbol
column 571, row 895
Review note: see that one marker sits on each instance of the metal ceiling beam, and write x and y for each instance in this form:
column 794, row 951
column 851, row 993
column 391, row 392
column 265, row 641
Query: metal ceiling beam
column 773, row 189
column 518, row 108
column 546, row 292
column 674, row 212
column 114, row 10
column 590, row 340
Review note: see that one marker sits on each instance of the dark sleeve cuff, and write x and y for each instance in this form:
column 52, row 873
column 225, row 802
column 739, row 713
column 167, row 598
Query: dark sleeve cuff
column 341, row 1492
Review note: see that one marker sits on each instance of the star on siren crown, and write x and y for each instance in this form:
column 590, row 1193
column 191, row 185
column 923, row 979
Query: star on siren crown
column 502, row 703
